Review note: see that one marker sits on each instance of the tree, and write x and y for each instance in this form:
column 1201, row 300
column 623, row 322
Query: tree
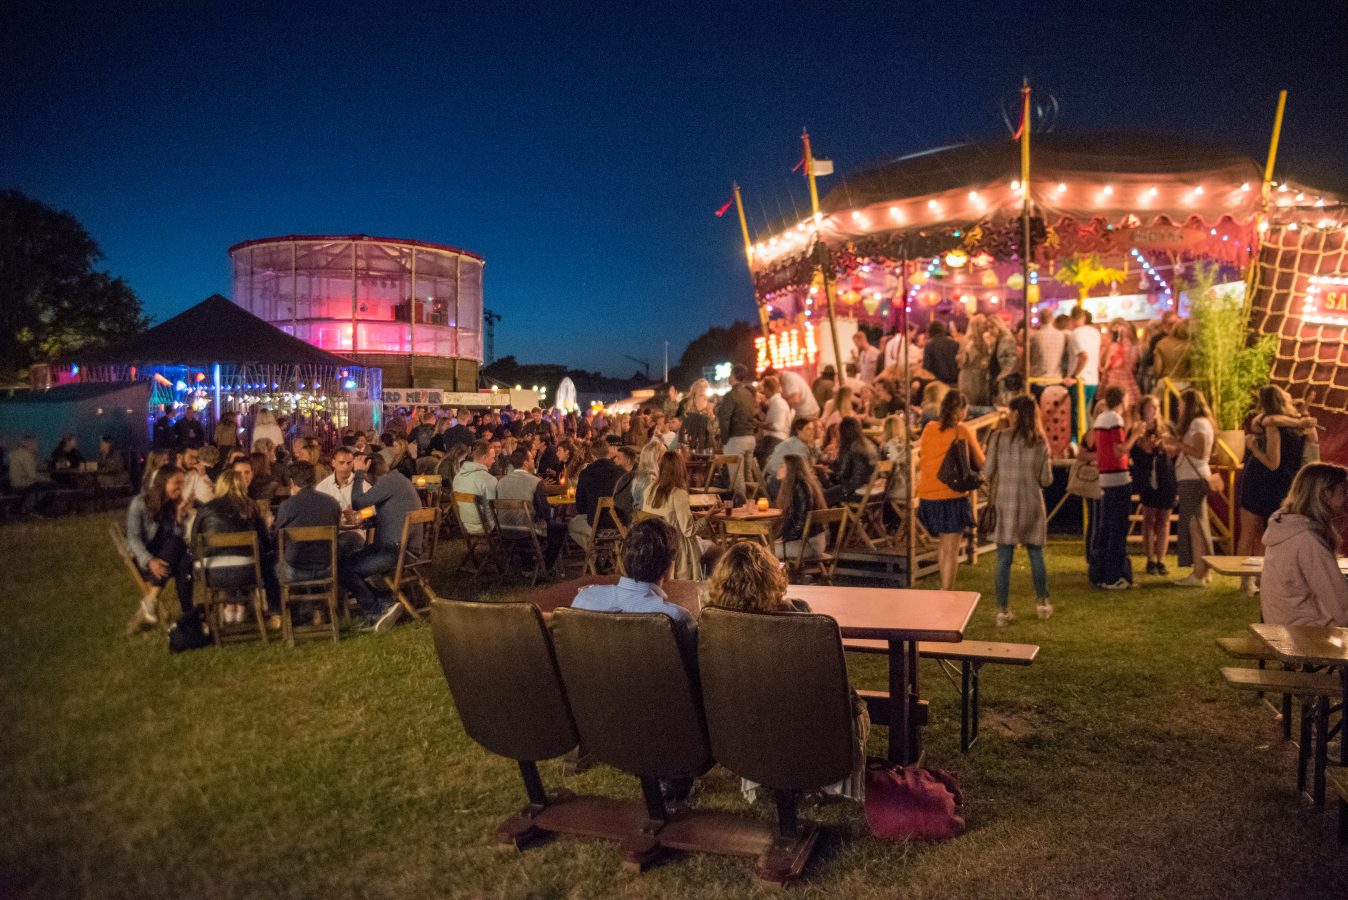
column 52, row 300
column 734, row 344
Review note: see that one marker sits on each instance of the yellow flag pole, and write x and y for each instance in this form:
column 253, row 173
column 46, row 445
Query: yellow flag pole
column 1025, row 220
column 824, row 261
column 1273, row 143
column 1251, row 272
column 749, row 253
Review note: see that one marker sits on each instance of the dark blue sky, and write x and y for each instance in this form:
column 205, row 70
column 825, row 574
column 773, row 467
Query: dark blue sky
column 582, row 147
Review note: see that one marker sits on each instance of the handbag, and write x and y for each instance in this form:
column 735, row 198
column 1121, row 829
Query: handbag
column 1212, row 481
column 911, row 803
column 1083, row 479
column 956, row 472
column 987, row 516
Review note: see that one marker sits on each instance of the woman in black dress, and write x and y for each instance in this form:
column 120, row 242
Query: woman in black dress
column 1153, row 471
column 1275, row 442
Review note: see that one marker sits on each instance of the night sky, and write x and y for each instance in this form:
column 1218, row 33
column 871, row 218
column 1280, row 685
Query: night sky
column 582, row 147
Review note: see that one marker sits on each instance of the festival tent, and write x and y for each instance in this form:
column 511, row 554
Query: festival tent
column 88, row 411
column 217, row 356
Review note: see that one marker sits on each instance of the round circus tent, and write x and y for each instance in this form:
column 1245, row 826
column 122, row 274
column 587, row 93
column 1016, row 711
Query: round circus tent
column 1117, row 220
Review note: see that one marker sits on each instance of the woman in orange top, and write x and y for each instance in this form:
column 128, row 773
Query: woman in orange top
column 944, row 512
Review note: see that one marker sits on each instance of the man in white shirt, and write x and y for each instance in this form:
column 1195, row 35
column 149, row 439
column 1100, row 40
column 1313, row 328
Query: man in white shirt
column 777, row 421
column 867, row 357
column 475, row 478
column 338, row 484
column 1048, row 349
column 523, row 484
column 797, row 393
column 1083, row 354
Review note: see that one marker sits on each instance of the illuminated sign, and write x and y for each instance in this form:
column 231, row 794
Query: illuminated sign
column 1326, row 301
column 788, row 349
column 722, row 371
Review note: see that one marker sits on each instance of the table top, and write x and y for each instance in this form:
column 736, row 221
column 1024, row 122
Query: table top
column 697, row 501
column 751, row 514
column 550, row 597
column 1305, row 644
column 562, row 499
column 888, row 613
column 1249, row 565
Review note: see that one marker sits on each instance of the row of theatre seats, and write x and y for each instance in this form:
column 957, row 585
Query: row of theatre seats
column 767, row 698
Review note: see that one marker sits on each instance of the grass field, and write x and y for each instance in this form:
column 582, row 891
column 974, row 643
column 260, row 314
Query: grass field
column 1119, row 765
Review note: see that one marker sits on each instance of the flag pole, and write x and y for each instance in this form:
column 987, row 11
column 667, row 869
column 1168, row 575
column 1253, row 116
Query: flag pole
column 1273, row 144
column 749, row 253
column 824, row 260
column 1025, row 222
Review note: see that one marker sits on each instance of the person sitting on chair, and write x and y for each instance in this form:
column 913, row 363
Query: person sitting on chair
column 648, row 557
column 306, row 507
column 230, row 512
column 393, row 497
column 155, row 526
column 523, row 483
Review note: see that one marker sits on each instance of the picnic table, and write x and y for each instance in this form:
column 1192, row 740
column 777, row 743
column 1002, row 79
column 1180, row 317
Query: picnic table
column 903, row 618
column 1241, row 566
column 1310, row 645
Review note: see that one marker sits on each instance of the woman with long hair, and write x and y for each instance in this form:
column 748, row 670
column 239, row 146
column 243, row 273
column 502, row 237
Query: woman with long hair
column 154, row 461
column 648, row 466
column 266, row 427
column 1118, row 360
column 667, row 497
column 896, row 446
column 1153, row 471
column 856, row 459
column 1274, row 446
column 747, row 577
column 841, row 405
column 799, row 495
column 1003, row 361
column 695, row 431
column 226, row 431
column 942, row 510
column 156, row 527
column 974, row 358
column 1193, row 446
column 1302, row 583
column 1018, row 470
column 230, row 512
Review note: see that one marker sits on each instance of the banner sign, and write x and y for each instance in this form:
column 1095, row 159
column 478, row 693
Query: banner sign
column 1326, row 301
column 437, row 397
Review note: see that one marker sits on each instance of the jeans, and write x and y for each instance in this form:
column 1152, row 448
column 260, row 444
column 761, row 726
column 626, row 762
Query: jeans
column 742, row 447
column 1108, row 560
column 352, row 571
column 1005, row 553
column 172, row 549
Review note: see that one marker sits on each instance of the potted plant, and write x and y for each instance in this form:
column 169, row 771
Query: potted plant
column 1228, row 363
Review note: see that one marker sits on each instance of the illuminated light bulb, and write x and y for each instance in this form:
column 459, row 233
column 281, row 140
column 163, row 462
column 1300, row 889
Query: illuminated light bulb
column 1108, row 190
column 761, row 248
column 1061, row 187
column 1319, row 201
column 931, row 204
column 896, row 213
column 1198, row 190
column 1326, row 223
column 856, row 216
column 773, row 242
column 1300, row 196
column 1151, row 192
column 1263, row 226
column 1245, row 186
column 973, row 196
column 800, row 226
column 1015, row 185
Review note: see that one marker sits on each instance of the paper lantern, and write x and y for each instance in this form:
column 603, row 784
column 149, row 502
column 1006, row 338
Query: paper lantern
column 929, row 297
column 989, row 279
column 982, row 259
column 956, row 258
column 1015, row 281
column 850, row 297
column 871, row 304
column 918, row 278
column 1033, row 293
column 969, row 302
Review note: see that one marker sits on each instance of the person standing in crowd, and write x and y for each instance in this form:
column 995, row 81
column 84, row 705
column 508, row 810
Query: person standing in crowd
column 264, row 426
column 474, row 477
column 1107, row 552
column 1119, row 360
column 1048, row 353
column 226, row 432
column 1158, row 330
column 735, row 414
column 796, row 391
column 1197, row 434
column 595, row 481
column 1083, row 355
column 421, row 436
column 1003, row 359
column 866, row 356
column 156, row 529
column 187, row 431
column 306, row 507
column 232, row 512
column 1301, row 582
column 776, row 420
column 974, row 361
column 942, row 510
column 695, row 433
column 1018, row 470
column 393, row 497
column 1274, row 447
column 940, row 355
column 163, row 430
column 823, row 386
column 1171, row 358
column 1153, row 472
column 799, row 495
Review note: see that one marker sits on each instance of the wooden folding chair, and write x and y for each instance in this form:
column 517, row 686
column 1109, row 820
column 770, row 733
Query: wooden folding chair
column 117, row 531
column 517, row 536
column 732, row 464
column 410, row 569
column 472, row 541
column 212, row 597
column 607, row 537
column 309, row 590
column 834, row 523
column 755, row 485
column 865, row 512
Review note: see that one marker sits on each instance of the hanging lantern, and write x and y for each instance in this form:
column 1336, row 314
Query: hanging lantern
column 929, row 297
column 1015, row 281
column 1033, row 293
column 871, row 304
column 956, row 258
column 982, row 259
column 989, row 279
column 918, row 278
column 850, row 297
column 858, row 283
column 969, row 302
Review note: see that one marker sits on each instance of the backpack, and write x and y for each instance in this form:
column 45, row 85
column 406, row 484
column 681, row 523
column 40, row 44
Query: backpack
column 189, row 632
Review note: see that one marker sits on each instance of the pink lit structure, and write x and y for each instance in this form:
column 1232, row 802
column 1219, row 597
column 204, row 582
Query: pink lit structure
column 412, row 308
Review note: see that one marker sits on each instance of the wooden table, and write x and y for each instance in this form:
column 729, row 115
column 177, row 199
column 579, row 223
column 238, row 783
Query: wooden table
column 703, row 501
column 1310, row 645
column 1248, row 565
column 750, row 514
column 901, row 617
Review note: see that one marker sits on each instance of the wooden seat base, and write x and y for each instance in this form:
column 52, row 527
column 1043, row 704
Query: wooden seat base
column 583, row 815
column 779, row 860
column 1274, row 681
column 1246, row 646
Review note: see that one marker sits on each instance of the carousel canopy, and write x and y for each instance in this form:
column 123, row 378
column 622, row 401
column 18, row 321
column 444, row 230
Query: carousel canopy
column 215, row 330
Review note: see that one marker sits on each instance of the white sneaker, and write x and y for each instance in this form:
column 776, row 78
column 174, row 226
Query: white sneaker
column 149, row 610
column 1191, row 580
column 1122, row 584
column 1044, row 609
column 388, row 618
column 1005, row 617
column 1250, row 585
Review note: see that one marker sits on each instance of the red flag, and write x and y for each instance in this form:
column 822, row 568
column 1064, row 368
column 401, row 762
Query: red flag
column 1024, row 118
column 720, row 212
column 796, row 167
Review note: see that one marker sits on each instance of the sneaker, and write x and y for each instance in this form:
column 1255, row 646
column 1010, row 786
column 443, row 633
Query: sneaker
column 1005, row 617
column 1190, row 580
column 388, row 618
column 1044, row 609
column 1151, row 568
column 273, row 622
column 149, row 610
column 1161, row 569
column 1249, row 586
column 1122, row 584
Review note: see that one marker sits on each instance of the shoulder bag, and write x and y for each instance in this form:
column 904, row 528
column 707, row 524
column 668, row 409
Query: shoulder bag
column 911, row 803
column 1083, row 479
column 956, row 472
column 987, row 516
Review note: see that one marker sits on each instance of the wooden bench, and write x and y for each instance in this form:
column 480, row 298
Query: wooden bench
column 1316, row 690
column 1276, row 681
column 971, row 656
column 1247, row 646
column 1337, row 778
